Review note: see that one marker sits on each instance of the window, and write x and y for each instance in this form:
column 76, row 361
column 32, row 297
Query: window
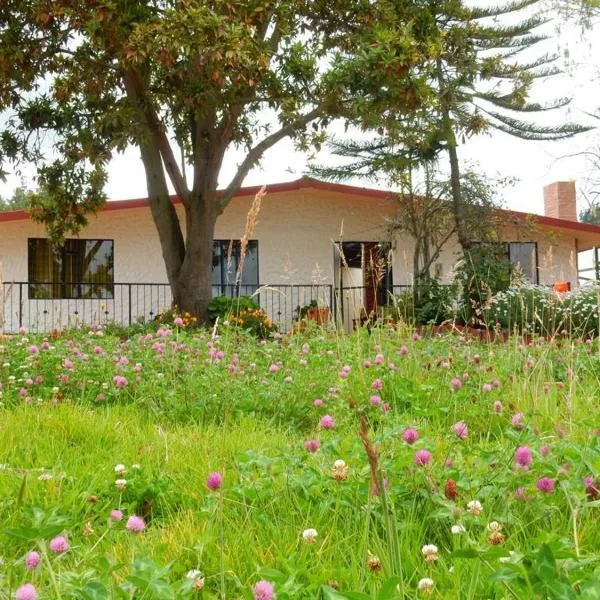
column 524, row 254
column 226, row 261
column 512, row 254
column 78, row 269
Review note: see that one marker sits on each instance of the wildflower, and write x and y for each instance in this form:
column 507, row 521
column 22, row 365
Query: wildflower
column 456, row 383
column 310, row 536
column 26, row 592
column 520, row 493
column 273, row 368
column 451, row 489
column 523, row 457
column 425, row 585
column 377, row 384
column 374, row 562
column 318, row 402
column 116, row 515
column 263, row 590
column 430, row 552
column 121, row 484
column 592, row 489
column 33, row 349
column 197, row 579
column 402, row 351
column 135, row 524
column 517, row 421
column 32, row 560
column 327, row 422
column 214, row 481
column 88, row 529
column 545, row 450
column 457, row 529
column 375, row 400
column 497, row 406
column 59, row 544
column 460, row 429
column 311, row 446
column 178, row 322
column 340, row 470
column 120, row 470
column 487, row 387
column 410, row 436
column 496, row 536
column 474, row 507
column 120, row 381
column 422, row 458
column 545, row 485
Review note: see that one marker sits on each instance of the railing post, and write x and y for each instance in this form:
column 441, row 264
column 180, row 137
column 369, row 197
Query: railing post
column 129, row 301
column 596, row 264
column 20, row 305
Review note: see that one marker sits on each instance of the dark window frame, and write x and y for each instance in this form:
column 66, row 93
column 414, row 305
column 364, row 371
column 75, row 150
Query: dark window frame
column 505, row 246
column 67, row 288
column 536, row 269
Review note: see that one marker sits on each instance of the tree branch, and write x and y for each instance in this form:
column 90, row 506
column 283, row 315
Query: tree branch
column 255, row 153
column 135, row 92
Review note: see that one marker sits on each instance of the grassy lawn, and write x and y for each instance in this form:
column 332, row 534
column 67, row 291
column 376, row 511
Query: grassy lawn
column 97, row 422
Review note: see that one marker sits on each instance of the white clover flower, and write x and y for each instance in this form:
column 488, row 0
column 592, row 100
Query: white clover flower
column 121, row 484
column 136, row 466
column 339, row 464
column 457, row 529
column 430, row 552
column 494, row 526
column 310, row 536
column 120, row 469
column 425, row 585
column 474, row 507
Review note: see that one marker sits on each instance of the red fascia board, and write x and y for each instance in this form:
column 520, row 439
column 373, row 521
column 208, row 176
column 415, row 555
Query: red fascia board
column 341, row 188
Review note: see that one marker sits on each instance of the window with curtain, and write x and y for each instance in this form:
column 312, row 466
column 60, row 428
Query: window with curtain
column 226, row 262
column 78, row 269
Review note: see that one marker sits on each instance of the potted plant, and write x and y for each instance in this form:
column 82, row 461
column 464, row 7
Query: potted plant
column 314, row 312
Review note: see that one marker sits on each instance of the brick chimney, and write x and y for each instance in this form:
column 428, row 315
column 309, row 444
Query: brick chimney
column 560, row 200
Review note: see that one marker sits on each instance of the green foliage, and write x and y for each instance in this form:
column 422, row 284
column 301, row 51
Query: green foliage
column 591, row 214
column 18, row 201
column 431, row 304
column 536, row 309
column 183, row 415
column 243, row 312
column 484, row 271
column 222, row 306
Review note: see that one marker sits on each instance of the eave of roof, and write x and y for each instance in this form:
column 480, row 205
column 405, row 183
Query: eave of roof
column 342, row 188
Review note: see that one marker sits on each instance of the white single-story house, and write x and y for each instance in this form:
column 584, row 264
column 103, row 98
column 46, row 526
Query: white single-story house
column 114, row 271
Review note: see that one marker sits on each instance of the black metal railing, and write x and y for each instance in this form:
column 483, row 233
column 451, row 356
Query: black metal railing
column 130, row 303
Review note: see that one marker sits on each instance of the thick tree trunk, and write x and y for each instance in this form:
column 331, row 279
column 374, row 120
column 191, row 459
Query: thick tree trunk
column 457, row 203
column 192, row 289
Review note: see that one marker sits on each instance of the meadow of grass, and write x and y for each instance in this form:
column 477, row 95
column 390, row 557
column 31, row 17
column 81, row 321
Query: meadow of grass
column 176, row 464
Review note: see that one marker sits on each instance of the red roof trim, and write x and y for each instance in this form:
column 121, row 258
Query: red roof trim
column 308, row 183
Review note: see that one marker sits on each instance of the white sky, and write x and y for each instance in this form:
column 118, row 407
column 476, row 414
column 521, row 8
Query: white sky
column 533, row 164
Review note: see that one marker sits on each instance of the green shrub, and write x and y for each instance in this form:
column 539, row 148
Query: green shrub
column 434, row 304
column 241, row 311
column 539, row 309
column 222, row 306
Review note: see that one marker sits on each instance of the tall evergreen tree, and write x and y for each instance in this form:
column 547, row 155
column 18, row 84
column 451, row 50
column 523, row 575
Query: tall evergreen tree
column 476, row 82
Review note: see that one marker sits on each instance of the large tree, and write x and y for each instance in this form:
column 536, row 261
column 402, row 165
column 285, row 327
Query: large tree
column 475, row 80
column 183, row 81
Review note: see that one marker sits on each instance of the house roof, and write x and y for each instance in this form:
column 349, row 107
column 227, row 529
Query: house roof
column 342, row 188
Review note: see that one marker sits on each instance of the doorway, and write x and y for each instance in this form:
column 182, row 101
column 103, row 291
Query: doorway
column 363, row 280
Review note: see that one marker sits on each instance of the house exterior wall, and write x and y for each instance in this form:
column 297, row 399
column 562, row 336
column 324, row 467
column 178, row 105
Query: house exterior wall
column 295, row 233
